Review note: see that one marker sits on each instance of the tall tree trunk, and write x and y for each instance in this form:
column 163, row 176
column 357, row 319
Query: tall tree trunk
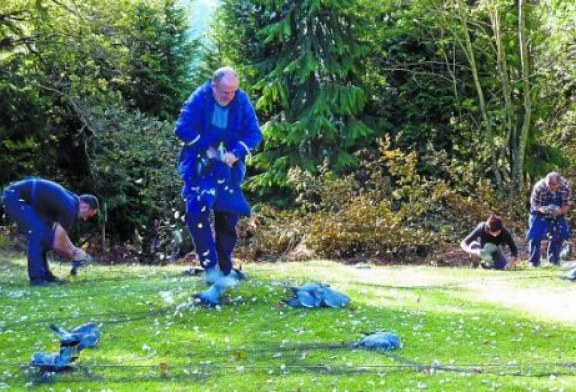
column 518, row 164
column 510, row 130
column 471, row 57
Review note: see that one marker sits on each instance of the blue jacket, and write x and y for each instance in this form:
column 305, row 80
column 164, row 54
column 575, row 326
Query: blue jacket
column 193, row 127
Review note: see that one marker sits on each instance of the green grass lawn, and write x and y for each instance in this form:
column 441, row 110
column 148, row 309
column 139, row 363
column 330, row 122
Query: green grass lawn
column 462, row 329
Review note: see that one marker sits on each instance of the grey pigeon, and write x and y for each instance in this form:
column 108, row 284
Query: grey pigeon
column 85, row 335
column 88, row 333
column 305, row 296
column 315, row 295
column 238, row 274
column 570, row 275
column 80, row 263
column 71, row 343
column 55, row 362
column 379, row 341
column 334, row 299
column 307, row 299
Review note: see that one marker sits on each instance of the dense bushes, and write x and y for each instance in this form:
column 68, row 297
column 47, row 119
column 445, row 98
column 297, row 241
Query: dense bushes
column 87, row 94
column 385, row 211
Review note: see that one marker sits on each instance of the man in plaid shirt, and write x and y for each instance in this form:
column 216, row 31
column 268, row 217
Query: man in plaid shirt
column 550, row 201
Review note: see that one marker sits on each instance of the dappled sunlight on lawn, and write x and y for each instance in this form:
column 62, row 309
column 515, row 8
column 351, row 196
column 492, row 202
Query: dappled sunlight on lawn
column 539, row 293
column 543, row 302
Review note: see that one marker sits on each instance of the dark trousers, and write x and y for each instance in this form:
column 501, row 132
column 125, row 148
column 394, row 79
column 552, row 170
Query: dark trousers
column 499, row 259
column 212, row 249
column 40, row 234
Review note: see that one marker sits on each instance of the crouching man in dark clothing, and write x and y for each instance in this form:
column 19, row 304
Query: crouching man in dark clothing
column 485, row 242
column 45, row 212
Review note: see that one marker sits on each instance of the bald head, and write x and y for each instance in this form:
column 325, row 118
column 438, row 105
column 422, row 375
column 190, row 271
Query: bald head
column 224, row 73
column 224, row 85
column 553, row 180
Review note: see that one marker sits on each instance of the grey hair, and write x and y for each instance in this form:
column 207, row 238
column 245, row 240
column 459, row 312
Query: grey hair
column 223, row 72
column 553, row 177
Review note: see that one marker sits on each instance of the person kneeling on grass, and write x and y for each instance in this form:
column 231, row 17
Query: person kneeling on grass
column 485, row 241
column 45, row 211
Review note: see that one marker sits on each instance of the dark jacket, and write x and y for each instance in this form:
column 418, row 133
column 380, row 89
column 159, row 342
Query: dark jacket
column 481, row 235
column 51, row 201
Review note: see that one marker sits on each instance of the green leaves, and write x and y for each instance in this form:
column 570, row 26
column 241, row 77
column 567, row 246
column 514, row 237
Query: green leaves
column 278, row 31
column 83, row 87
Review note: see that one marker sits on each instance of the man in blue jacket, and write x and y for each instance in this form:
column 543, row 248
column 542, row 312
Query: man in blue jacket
column 45, row 212
column 219, row 128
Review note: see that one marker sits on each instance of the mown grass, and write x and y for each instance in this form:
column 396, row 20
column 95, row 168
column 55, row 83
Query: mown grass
column 463, row 330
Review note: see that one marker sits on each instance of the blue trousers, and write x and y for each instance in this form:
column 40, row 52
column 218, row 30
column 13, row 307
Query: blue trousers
column 40, row 234
column 212, row 249
column 555, row 229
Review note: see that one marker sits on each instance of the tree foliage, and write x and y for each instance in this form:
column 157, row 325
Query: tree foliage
column 83, row 87
column 462, row 75
column 160, row 53
column 385, row 211
column 471, row 96
column 557, row 64
column 305, row 61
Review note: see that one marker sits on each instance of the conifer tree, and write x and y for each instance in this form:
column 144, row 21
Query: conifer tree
column 305, row 59
column 161, row 52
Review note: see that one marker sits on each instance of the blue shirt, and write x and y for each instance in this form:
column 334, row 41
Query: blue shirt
column 220, row 117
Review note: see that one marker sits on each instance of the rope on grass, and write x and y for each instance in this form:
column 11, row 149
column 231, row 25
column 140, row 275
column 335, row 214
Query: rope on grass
column 139, row 315
column 122, row 318
column 88, row 294
column 101, row 317
column 167, row 371
column 113, row 279
column 287, row 283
